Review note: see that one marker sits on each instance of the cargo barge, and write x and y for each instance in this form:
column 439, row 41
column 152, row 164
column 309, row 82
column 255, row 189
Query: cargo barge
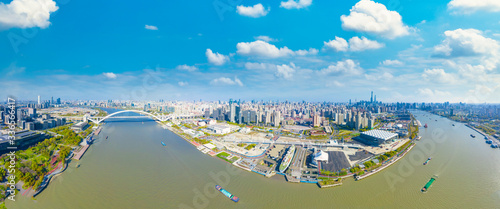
column 426, row 187
column 427, row 161
column 225, row 192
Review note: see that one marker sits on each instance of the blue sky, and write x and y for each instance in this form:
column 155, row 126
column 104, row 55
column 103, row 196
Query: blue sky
column 412, row 51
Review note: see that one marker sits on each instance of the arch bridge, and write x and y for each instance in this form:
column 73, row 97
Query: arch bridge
column 158, row 117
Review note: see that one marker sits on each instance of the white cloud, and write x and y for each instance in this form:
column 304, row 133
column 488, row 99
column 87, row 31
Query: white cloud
column 438, row 76
column 265, row 38
column 379, row 76
column 339, row 44
column 483, row 93
column 347, row 67
column 226, row 81
column 285, row 71
column 264, row 49
column 258, row 66
column 370, row 17
column 355, row 44
column 151, row 27
column 361, row 44
column 182, row 83
column 110, row 75
column 26, row 13
column 470, row 6
column 392, row 62
column 186, row 68
column 432, row 95
column 335, row 83
column 311, row 51
column 294, row 4
column 474, row 73
column 216, row 58
column 252, row 11
column 466, row 42
column 13, row 69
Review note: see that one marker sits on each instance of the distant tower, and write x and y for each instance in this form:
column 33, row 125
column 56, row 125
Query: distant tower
column 39, row 102
column 375, row 99
column 371, row 99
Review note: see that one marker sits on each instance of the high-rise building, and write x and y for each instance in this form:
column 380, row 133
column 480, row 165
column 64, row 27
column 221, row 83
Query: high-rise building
column 316, row 120
column 232, row 111
column 267, row 117
column 371, row 98
column 238, row 114
column 277, row 118
column 39, row 102
column 32, row 112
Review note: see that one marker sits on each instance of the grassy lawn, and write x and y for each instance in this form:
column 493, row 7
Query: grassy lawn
column 329, row 181
column 251, row 146
column 318, row 137
column 224, row 155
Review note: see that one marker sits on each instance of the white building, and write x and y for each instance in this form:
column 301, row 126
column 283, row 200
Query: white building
column 219, row 129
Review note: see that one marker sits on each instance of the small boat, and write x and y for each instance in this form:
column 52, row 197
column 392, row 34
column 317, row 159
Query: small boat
column 473, row 136
column 494, row 145
column 427, row 161
column 426, row 187
column 163, row 143
column 78, row 165
column 489, row 142
column 225, row 192
column 425, row 126
column 106, row 137
column 453, row 124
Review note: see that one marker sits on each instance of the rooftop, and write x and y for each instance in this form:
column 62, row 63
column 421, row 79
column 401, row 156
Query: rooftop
column 380, row 134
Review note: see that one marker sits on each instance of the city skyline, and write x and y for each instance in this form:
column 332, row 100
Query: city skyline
column 309, row 50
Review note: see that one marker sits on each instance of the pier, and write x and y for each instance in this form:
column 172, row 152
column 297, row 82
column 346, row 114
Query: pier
column 79, row 153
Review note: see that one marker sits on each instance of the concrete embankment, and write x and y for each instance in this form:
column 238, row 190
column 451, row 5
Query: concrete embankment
column 385, row 165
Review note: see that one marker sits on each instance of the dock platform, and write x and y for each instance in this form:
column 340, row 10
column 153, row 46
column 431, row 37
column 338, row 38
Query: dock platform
column 78, row 154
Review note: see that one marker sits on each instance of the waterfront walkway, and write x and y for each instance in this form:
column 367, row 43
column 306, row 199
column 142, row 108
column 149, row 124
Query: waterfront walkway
column 47, row 178
column 79, row 153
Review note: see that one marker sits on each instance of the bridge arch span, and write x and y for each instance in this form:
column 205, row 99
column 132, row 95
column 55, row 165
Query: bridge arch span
column 136, row 111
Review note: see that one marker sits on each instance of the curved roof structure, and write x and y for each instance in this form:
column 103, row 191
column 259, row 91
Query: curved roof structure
column 321, row 156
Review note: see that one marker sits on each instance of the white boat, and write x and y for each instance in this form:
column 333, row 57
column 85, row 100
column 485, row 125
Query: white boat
column 287, row 159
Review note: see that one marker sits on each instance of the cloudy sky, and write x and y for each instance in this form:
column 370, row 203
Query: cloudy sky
column 408, row 50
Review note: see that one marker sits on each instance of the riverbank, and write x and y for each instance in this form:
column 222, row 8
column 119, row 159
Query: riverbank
column 385, row 165
column 246, row 163
column 486, row 136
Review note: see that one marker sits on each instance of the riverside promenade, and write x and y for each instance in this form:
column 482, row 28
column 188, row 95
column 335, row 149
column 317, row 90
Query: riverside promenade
column 385, row 165
column 47, row 178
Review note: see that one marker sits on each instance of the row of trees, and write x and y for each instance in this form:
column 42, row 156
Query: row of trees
column 34, row 163
column 342, row 172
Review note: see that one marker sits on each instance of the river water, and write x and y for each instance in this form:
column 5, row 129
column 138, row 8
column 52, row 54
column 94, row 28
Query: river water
column 131, row 169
